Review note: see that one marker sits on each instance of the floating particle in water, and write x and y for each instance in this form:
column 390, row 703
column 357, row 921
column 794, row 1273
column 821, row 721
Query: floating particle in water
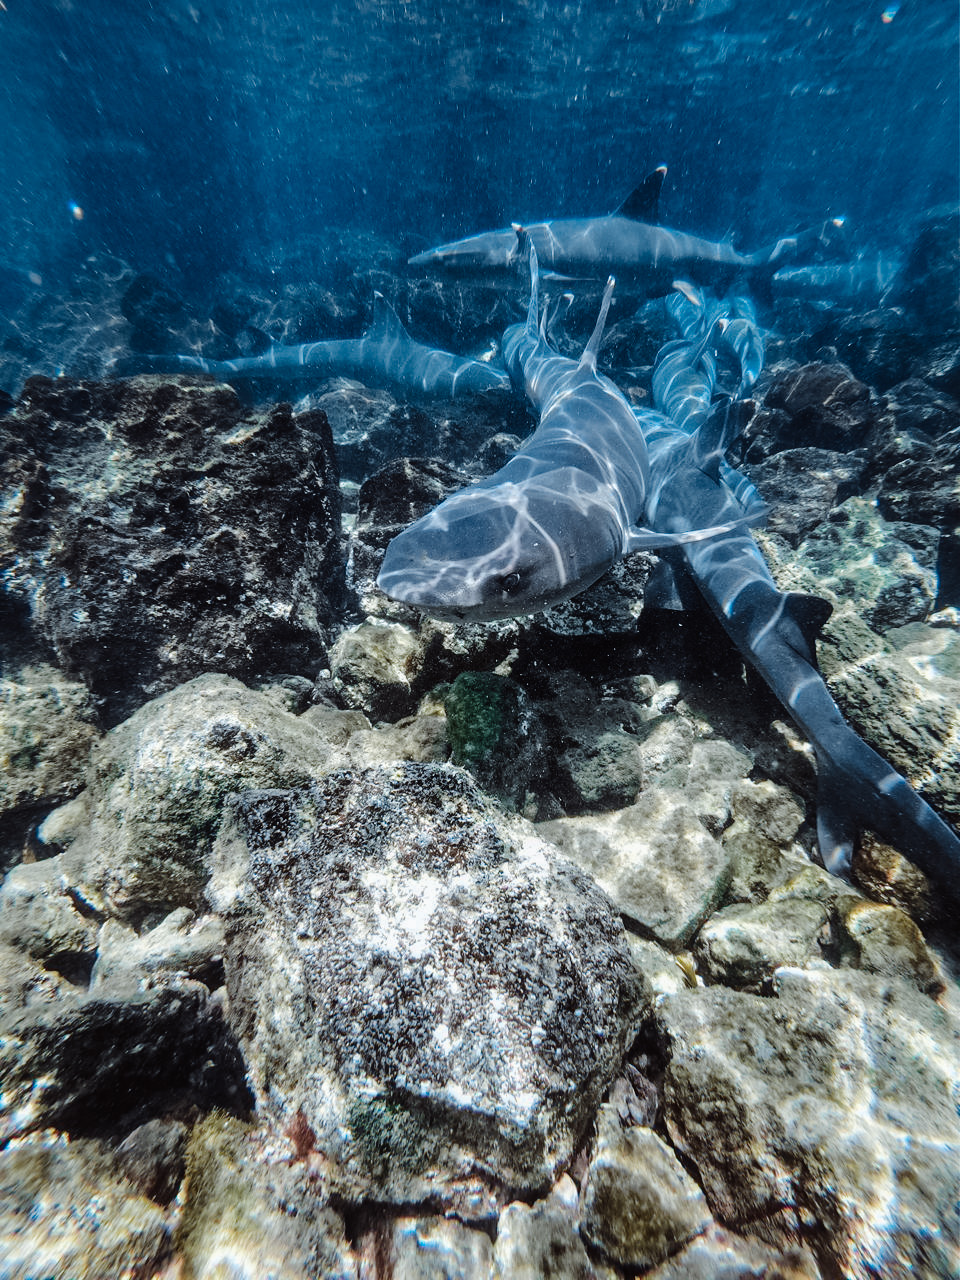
column 75, row 211
column 890, row 12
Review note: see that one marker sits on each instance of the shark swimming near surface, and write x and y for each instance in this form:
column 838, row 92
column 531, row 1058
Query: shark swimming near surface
column 563, row 510
column 385, row 355
column 629, row 244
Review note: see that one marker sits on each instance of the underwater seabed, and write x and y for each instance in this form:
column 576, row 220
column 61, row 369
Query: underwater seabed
column 340, row 941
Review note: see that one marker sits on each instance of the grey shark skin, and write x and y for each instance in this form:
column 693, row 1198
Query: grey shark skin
column 386, row 355
column 776, row 633
column 556, row 517
column 641, row 253
column 864, row 280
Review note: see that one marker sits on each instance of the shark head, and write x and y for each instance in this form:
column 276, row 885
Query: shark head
column 480, row 254
column 485, row 553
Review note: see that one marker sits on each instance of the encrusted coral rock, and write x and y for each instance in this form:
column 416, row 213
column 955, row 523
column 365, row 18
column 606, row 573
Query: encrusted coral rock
column 834, row 1103
column 430, row 985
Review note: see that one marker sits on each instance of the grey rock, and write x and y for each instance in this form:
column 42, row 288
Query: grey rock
column 157, row 784
column 719, row 1254
column 639, row 1203
column 40, row 917
column 373, row 666
column 542, row 1240
column 85, row 1062
column 68, row 1211
column 437, row 1249
column 821, row 1105
column 47, row 726
column 256, row 1196
column 181, row 945
column 153, row 1157
column 657, row 861
column 430, row 985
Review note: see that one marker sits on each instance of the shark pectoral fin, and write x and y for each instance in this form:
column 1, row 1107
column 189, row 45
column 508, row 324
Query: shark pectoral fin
column 643, row 203
column 641, row 539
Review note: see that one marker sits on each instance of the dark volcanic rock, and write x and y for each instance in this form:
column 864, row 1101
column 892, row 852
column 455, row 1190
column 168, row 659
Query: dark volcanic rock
column 802, row 486
column 826, row 408
column 925, row 489
column 154, row 532
column 89, row 1063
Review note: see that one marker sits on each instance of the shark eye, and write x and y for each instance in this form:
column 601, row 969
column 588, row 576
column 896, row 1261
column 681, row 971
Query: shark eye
column 510, row 583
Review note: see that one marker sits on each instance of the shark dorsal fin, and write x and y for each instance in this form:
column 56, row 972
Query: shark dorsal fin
column 589, row 358
column 808, row 614
column 643, row 204
column 385, row 319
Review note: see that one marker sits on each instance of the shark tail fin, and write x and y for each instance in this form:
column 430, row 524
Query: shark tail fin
column 386, row 322
column 836, row 825
column 589, row 358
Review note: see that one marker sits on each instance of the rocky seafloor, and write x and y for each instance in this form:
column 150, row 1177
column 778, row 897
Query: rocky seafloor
column 337, row 941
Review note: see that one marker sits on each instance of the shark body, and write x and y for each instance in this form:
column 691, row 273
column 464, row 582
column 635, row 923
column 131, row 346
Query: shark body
column 776, row 633
column 386, row 355
column 629, row 244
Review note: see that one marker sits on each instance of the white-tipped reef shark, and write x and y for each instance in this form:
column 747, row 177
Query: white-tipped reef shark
column 385, row 356
column 629, row 244
column 565, row 508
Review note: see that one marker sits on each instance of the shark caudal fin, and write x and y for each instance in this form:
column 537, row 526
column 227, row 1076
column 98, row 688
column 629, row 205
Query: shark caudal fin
column 643, row 203
column 858, row 790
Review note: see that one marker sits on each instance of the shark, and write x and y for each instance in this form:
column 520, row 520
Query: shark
column 562, row 511
column 386, row 355
column 629, row 243
column 546, row 526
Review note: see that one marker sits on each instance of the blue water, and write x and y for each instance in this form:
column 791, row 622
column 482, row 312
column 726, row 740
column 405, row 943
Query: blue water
column 203, row 136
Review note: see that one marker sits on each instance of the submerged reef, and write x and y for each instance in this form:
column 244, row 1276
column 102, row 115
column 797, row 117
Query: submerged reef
column 355, row 943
